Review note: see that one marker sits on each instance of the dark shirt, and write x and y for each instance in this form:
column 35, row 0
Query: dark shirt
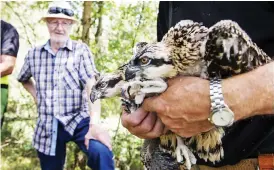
column 256, row 18
column 9, row 39
column 252, row 136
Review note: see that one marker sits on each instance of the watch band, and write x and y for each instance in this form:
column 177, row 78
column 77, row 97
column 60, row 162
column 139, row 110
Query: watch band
column 216, row 94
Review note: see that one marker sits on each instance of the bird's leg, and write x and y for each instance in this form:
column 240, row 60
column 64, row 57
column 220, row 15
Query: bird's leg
column 183, row 154
column 126, row 104
column 129, row 105
column 134, row 92
column 131, row 88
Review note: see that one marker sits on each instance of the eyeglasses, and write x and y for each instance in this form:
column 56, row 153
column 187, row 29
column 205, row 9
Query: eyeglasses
column 55, row 23
column 57, row 10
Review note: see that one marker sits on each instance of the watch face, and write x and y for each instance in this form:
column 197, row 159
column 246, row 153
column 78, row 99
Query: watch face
column 223, row 117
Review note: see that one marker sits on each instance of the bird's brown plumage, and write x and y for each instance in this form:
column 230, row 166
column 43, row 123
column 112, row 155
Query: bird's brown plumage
column 189, row 48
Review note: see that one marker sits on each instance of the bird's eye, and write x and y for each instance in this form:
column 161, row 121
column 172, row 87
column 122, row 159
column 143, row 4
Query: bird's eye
column 144, row 60
column 103, row 85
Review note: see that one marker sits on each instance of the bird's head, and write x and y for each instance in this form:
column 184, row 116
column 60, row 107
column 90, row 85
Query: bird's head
column 178, row 51
column 150, row 61
column 107, row 85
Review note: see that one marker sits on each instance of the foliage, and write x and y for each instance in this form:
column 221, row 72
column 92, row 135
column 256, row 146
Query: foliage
column 122, row 25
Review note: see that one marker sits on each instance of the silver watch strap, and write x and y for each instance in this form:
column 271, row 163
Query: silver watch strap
column 216, row 94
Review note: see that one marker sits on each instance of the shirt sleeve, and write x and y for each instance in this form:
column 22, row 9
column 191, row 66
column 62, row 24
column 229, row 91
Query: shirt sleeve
column 25, row 72
column 87, row 66
column 10, row 42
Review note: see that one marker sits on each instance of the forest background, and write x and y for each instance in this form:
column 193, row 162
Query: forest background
column 111, row 29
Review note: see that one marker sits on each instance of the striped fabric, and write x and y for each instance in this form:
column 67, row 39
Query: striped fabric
column 60, row 80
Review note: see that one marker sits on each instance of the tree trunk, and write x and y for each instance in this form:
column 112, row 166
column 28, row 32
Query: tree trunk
column 99, row 26
column 86, row 22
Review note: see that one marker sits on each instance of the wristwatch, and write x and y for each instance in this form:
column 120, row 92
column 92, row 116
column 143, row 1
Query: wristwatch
column 220, row 114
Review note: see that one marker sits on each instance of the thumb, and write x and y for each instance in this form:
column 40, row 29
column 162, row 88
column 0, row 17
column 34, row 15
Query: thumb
column 87, row 139
column 87, row 143
column 151, row 104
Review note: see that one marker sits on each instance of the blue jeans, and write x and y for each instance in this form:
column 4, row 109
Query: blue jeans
column 99, row 156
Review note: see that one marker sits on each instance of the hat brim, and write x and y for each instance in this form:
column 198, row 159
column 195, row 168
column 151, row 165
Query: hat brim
column 59, row 16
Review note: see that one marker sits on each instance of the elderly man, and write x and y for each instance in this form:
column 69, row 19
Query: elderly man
column 62, row 70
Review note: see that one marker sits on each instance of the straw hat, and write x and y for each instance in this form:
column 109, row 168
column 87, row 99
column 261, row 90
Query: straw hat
column 60, row 9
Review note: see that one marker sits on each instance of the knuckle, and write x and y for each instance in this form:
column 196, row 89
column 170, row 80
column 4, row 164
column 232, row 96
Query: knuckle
column 133, row 131
column 163, row 107
column 167, row 123
column 124, row 122
column 146, row 127
column 134, row 122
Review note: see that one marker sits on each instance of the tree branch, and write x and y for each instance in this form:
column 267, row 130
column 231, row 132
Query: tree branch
column 138, row 25
column 118, row 126
column 22, row 22
column 99, row 27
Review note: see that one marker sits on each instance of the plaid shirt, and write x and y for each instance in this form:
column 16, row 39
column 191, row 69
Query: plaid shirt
column 60, row 80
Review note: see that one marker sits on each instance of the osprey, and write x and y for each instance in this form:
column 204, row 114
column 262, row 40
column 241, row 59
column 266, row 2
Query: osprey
column 109, row 85
column 189, row 49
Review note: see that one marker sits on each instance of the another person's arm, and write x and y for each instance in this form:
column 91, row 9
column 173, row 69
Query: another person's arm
column 87, row 76
column 7, row 64
column 95, row 108
column 9, row 49
column 185, row 106
column 95, row 129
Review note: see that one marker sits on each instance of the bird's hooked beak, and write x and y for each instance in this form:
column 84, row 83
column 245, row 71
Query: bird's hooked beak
column 130, row 72
column 95, row 95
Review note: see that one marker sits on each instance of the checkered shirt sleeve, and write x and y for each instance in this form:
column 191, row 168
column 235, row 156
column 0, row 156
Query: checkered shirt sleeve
column 25, row 73
column 87, row 66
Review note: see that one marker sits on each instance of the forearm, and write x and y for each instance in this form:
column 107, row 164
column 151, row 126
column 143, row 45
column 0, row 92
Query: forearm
column 5, row 69
column 94, row 108
column 30, row 87
column 251, row 93
column 6, row 65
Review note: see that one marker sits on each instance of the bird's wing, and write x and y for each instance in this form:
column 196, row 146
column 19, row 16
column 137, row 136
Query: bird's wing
column 228, row 50
column 184, row 32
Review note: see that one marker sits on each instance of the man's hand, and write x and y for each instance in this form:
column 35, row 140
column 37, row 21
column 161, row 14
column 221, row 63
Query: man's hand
column 184, row 107
column 143, row 124
column 30, row 87
column 98, row 133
